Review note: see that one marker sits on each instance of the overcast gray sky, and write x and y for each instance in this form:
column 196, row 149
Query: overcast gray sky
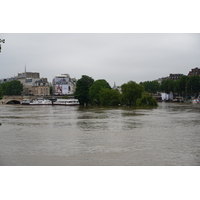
column 115, row 57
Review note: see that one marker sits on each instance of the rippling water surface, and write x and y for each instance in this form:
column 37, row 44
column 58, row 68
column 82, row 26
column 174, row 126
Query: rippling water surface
column 79, row 136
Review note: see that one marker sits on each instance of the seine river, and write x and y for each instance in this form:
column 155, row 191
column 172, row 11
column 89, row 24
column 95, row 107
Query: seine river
column 100, row 136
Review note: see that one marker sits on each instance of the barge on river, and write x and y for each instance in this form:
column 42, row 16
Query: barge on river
column 197, row 100
column 64, row 102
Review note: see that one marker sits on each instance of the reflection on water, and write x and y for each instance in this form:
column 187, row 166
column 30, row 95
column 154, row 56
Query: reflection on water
column 56, row 135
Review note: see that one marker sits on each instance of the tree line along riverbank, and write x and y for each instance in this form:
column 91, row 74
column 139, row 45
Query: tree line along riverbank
column 99, row 92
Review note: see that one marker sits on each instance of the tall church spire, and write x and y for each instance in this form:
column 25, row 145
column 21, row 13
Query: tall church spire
column 114, row 87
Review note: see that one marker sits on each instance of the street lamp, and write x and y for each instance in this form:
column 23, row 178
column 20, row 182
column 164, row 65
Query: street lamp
column 1, row 41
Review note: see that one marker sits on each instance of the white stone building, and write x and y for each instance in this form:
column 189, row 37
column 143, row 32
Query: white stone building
column 63, row 85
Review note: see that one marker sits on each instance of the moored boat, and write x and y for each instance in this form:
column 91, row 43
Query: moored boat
column 65, row 102
column 40, row 102
column 178, row 99
column 25, row 102
column 197, row 100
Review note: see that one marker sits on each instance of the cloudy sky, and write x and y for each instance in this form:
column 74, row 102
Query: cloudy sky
column 115, row 57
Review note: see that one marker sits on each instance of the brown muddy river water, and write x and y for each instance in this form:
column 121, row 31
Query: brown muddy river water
column 100, row 136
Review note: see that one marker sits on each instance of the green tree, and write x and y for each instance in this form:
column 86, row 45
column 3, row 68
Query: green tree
column 177, row 87
column 51, row 90
column 146, row 101
column 151, row 86
column 131, row 91
column 109, row 97
column 82, row 89
column 167, row 86
column 94, row 91
column 12, row 88
column 183, row 85
column 1, row 94
column 193, row 85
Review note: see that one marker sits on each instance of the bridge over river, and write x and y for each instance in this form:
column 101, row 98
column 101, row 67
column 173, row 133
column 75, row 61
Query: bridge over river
column 19, row 99
column 16, row 99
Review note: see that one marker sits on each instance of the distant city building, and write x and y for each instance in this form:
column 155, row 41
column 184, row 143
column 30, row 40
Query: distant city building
column 63, row 85
column 33, row 84
column 28, row 78
column 114, row 87
column 160, row 80
column 195, row 71
column 3, row 80
column 175, row 77
column 7, row 79
column 40, row 87
column 12, row 79
column 117, row 88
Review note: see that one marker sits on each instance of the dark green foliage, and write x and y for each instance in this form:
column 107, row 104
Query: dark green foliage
column 131, row 91
column 1, row 93
column 151, row 86
column 168, row 86
column 109, row 97
column 182, row 85
column 146, row 101
column 94, row 91
column 11, row 88
column 193, row 85
column 51, row 90
column 187, row 85
column 82, row 89
column 177, row 87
